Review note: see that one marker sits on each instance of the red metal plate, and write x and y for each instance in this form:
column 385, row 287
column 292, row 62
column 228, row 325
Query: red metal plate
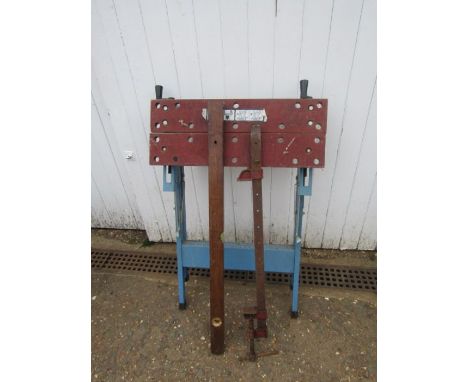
column 289, row 115
column 292, row 136
column 278, row 149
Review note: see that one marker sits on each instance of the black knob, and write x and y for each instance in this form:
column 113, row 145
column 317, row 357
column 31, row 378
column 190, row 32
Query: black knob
column 303, row 86
column 159, row 91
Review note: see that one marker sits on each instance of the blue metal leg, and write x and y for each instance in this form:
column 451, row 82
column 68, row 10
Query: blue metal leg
column 301, row 190
column 180, row 277
column 179, row 199
column 295, row 279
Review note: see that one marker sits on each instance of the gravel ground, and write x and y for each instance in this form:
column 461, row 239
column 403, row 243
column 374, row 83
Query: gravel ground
column 139, row 334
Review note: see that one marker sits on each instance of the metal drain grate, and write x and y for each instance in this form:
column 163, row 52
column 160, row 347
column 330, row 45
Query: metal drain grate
column 316, row 275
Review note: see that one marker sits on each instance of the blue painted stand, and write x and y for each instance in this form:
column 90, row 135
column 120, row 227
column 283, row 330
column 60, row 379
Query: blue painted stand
column 195, row 254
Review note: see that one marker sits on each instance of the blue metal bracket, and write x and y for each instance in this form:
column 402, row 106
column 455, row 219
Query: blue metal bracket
column 168, row 186
column 305, row 174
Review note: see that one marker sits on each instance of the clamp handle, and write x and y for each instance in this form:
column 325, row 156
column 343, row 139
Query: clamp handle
column 159, row 91
column 303, row 84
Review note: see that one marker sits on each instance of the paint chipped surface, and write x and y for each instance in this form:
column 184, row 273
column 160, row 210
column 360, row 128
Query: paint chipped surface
column 182, row 123
column 289, row 145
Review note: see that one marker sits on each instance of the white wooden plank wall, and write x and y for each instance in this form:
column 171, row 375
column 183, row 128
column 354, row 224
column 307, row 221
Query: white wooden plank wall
column 235, row 49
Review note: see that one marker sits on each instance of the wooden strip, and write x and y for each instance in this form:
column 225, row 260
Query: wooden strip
column 216, row 223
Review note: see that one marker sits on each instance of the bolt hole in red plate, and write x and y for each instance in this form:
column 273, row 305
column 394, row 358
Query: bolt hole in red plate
column 292, row 136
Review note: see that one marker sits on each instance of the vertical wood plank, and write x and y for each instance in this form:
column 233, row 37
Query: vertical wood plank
column 155, row 16
column 361, row 88
column 363, row 184
column 341, row 46
column 368, row 237
column 316, row 33
column 261, row 46
column 135, row 44
column 288, row 42
column 211, row 61
column 183, row 32
column 181, row 22
column 210, row 47
column 99, row 215
column 112, row 145
column 316, row 28
column 317, row 23
column 234, row 32
column 159, row 41
column 234, row 28
column 107, row 178
column 114, row 95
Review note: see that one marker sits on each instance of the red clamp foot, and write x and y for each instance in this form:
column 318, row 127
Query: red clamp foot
column 247, row 175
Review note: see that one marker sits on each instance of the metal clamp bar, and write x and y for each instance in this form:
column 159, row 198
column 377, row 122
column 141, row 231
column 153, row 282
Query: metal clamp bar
column 168, row 186
column 257, row 203
column 303, row 188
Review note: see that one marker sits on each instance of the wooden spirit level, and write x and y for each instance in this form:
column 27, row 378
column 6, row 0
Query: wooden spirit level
column 252, row 133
